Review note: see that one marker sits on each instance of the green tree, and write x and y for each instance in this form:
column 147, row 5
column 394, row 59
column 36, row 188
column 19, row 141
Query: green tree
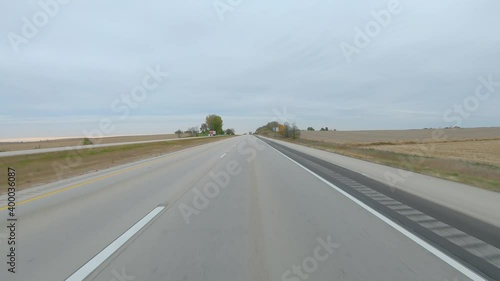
column 310, row 128
column 87, row 141
column 230, row 132
column 214, row 123
column 267, row 128
column 290, row 131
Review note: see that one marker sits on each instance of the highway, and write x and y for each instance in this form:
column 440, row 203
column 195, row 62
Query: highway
column 77, row 147
column 243, row 209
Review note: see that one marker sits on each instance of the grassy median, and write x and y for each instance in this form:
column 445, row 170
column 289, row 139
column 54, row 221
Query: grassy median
column 35, row 169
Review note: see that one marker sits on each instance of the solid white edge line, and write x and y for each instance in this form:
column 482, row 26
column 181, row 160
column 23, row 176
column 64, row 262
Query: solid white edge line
column 96, row 261
column 449, row 260
column 223, row 155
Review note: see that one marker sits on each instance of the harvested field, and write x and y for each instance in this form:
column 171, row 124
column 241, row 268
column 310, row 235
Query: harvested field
column 483, row 151
column 400, row 136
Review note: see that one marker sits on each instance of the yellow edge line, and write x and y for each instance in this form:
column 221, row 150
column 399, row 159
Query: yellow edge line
column 87, row 182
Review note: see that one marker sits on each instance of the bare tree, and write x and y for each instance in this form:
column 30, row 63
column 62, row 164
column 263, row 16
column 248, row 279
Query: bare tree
column 178, row 133
column 204, row 128
column 193, row 131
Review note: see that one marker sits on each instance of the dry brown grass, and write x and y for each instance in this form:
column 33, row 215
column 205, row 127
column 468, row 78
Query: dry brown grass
column 483, row 151
column 470, row 156
column 35, row 169
column 472, row 173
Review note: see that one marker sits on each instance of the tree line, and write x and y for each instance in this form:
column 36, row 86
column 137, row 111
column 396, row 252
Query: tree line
column 212, row 122
column 322, row 129
column 285, row 130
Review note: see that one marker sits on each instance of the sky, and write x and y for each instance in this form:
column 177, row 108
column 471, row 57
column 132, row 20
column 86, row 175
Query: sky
column 91, row 68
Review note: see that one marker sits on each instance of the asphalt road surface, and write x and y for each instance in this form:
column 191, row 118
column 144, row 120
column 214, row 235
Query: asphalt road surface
column 239, row 209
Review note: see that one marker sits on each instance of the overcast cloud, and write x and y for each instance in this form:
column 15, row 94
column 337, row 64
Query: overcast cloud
column 265, row 60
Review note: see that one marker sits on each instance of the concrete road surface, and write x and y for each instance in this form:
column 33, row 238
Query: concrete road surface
column 478, row 203
column 77, row 147
column 238, row 209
